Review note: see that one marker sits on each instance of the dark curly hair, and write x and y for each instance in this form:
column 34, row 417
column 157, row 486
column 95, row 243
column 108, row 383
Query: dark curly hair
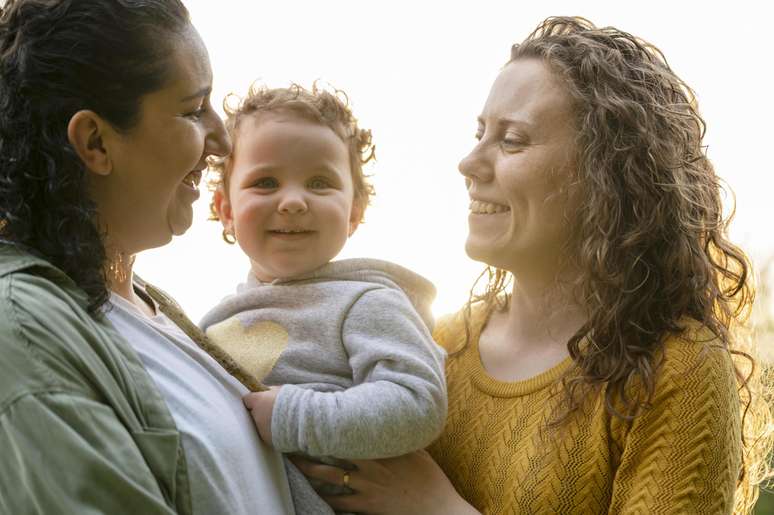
column 58, row 57
column 329, row 108
column 650, row 237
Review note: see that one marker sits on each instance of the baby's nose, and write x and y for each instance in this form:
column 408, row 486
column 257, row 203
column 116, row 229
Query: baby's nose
column 292, row 202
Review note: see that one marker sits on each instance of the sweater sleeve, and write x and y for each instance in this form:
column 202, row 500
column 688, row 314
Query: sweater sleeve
column 67, row 454
column 398, row 401
column 683, row 453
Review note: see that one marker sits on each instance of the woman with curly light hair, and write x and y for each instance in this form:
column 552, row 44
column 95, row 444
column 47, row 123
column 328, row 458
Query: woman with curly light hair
column 602, row 370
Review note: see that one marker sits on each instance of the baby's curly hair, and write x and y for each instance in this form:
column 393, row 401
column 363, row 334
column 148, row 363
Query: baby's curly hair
column 650, row 236
column 318, row 105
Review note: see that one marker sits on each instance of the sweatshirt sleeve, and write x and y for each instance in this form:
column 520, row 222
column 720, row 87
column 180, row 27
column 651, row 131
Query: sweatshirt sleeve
column 398, row 403
column 683, row 453
column 63, row 453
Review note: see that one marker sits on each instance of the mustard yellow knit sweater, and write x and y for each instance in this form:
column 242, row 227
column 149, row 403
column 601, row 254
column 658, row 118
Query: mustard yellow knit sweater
column 681, row 456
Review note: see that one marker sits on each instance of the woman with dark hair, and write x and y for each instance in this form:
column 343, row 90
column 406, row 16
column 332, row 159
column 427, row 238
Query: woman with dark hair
column 105, row 405
column 611, row 378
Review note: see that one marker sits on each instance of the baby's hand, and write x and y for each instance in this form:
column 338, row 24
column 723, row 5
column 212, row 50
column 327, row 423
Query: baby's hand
column 260, row 405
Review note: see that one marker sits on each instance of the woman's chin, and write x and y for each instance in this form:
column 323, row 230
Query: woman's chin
column 180, row 220
column 478, row 252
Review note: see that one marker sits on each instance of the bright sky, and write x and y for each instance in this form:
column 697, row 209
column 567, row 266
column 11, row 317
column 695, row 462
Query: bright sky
column 417, row 74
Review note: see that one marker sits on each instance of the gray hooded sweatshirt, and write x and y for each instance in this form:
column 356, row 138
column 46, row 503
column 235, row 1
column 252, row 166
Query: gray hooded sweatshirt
column 350, row 344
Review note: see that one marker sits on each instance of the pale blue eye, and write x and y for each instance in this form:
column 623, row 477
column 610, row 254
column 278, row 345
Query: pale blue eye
column 318, row 184
column 266, row 183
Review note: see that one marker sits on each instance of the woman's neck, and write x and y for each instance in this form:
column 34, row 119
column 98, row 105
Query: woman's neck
column 542, row 312
column 123, row 287
column 530, row 336
column 121, row 282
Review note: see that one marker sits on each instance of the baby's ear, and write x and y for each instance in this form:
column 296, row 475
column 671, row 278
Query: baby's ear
column 222, row 206
column 86, row 132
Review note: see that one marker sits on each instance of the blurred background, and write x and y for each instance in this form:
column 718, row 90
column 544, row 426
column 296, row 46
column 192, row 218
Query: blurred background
column 417, row 73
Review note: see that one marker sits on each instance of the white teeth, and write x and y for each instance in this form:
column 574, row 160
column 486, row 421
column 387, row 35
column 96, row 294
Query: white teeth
column 192, row 180
column 480, row 207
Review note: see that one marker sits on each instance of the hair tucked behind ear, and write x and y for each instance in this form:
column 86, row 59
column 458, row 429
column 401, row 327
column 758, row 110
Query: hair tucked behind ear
column 56, row 58
column 650, row 238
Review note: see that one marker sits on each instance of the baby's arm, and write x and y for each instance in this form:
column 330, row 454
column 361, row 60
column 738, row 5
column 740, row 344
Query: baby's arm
column 398, row 403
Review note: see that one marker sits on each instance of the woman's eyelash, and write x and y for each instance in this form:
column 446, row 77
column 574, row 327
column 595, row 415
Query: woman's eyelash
column 197, row 113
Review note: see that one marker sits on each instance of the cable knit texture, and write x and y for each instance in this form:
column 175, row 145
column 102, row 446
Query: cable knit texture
column 680, row 455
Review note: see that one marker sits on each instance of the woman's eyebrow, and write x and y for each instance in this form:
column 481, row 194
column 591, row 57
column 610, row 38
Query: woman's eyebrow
column 201, row 93
column 505, row 121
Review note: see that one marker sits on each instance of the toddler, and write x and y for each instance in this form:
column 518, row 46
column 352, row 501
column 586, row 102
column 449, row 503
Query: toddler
column 345, row 344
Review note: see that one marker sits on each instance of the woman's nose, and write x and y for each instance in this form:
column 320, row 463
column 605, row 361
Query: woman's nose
column 476, row 165
column 218, row 142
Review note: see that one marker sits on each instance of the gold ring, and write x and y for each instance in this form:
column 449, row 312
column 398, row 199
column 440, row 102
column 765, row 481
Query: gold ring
column 345, row 480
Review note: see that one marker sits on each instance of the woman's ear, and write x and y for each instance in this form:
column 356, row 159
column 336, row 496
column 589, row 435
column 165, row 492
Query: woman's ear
column 222, row 206
column 85, row 133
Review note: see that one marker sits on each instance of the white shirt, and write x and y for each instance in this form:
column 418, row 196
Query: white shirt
column 231, row 471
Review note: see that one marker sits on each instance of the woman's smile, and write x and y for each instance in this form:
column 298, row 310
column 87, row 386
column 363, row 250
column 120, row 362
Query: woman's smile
column 192, row 180
column 480, row 207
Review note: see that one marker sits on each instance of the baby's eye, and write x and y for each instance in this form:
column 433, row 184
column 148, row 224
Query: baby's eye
column 266, row 183
column 319, row 183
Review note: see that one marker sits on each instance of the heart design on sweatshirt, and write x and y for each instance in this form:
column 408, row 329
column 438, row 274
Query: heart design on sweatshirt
column 256, row 347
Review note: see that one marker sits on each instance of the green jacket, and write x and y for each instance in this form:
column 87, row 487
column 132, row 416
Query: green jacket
column 82, row 427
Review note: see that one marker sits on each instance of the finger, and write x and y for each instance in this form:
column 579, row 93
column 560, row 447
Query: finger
column 299, row 461
column 329, row 473
column 367, row 467
column 351, row 503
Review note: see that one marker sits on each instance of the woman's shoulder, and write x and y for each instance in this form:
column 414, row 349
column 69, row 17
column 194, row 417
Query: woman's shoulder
column 42, row 316
column 695, row 359
column 29, row 283
column 695, row 346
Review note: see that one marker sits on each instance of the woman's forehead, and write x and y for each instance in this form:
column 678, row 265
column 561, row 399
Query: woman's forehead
column 190, row 73
column 526, row 91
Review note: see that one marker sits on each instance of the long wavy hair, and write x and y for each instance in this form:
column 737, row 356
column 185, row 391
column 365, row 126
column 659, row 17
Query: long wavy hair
column 58, row 57
column 650, row 237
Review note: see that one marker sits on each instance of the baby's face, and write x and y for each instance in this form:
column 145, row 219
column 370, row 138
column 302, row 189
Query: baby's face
column 290, row 198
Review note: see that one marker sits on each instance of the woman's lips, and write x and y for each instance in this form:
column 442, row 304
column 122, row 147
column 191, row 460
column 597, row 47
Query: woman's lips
column 192, row 179
column 480, row 207
column 190, row 184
